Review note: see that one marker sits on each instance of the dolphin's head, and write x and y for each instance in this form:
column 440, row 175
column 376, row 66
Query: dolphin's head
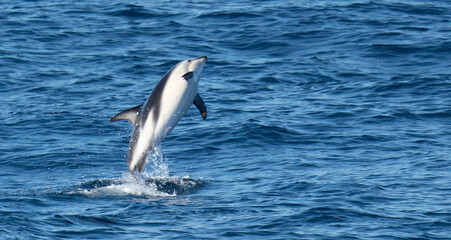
column 191, row 68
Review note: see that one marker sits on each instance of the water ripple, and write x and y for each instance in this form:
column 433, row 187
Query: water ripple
column 327, row 120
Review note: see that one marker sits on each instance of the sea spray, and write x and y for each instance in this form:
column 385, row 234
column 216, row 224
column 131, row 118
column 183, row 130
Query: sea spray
column 153, row 182
column 158, row 165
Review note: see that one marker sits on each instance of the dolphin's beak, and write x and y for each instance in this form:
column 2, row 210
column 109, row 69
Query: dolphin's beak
column 203, row 58
column 201, row 61
column 200, row 65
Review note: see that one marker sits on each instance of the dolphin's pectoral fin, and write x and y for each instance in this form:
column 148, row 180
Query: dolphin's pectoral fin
column 129, row 115
column 201, row 106
column 187, row 76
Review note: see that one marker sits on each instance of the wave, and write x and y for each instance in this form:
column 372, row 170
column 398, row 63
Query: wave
column 155, row 183
column 229, row 15
column 147, row 186
column 133, row 11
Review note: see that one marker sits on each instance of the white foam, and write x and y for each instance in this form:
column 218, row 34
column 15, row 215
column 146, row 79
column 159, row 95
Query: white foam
column 126, row 186
column 126, row 189
column 139, row 185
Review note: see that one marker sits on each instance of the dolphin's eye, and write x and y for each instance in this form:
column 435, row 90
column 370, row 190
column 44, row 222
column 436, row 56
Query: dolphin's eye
column 189, row 60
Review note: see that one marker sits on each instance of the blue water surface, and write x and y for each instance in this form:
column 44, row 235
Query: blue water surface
column 327, row 120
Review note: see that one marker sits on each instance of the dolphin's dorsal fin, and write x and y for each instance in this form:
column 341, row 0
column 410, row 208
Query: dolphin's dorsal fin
column 201, row 106
column 129, row 115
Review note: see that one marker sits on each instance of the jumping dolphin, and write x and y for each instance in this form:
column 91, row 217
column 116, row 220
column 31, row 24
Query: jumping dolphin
column 166, row 105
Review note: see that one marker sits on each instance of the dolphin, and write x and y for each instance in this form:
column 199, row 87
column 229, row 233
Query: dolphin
column 166, row 105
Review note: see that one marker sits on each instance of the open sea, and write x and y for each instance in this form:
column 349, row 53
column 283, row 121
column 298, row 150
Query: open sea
column 326, row 120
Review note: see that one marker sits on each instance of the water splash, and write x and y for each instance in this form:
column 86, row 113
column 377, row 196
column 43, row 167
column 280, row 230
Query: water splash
column 128, row 185
column 147, row 187
column 148, row 184
column 157, row 163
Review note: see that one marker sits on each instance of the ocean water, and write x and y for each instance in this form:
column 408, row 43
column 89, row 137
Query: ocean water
column 327, row 120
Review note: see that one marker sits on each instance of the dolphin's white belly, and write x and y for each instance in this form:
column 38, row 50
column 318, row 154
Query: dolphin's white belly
column 177, row 97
